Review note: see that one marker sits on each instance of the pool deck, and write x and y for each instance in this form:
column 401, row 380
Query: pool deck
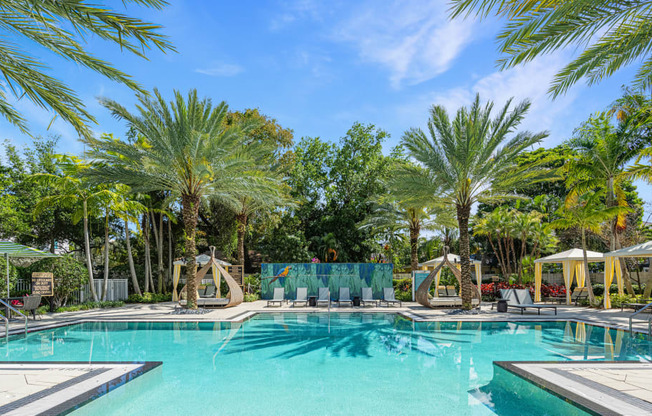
column 603, row 388
column 163, row 312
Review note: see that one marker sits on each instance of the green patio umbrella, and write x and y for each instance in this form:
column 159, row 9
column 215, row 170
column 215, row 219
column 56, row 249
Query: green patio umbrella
column 9, row 249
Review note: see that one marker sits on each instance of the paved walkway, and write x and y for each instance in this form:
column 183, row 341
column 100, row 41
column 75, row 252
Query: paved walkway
column 165, row 312
column 606, row 388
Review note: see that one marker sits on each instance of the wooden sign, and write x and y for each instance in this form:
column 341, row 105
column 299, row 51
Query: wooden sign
column 42, row 284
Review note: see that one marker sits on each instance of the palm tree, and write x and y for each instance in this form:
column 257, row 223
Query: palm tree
column 61, row 27
column 74, row 191
column 185, row 148
column 603, row 152
column 587, row 212
column 469, row 159
column 612, row 34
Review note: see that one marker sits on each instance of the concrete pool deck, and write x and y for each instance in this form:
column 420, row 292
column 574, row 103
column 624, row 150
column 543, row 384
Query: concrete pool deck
column 164, row 312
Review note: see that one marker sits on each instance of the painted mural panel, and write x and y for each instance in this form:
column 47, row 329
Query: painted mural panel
column 355, row 276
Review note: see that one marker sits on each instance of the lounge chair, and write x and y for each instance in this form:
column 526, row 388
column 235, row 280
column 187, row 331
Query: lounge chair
column 345, row 297
column 279, row 296
column 209, row 292
column 302, row 296
column 389, row 297
column 368, row 297
column 324, row 296
column 441, row 291
column 31, row 304
column 520, row 299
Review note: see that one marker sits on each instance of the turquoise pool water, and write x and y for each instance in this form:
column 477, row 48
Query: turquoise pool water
column 301, row 364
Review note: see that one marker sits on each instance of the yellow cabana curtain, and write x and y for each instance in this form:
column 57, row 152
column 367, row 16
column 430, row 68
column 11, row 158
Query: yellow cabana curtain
column 568, row 279
column 611, row 264
column 437, row 278
column 478, row 275
column 538, row 269
column 579, row 273
column 175, row 282
column 216, row 279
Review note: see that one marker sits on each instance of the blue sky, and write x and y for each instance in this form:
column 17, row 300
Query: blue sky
column 319, row 66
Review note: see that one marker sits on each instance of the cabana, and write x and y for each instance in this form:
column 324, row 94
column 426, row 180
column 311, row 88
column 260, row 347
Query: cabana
column 421, row 294
column 572, row 262
column 454, row 259
column 612, row 264
column 206, row 263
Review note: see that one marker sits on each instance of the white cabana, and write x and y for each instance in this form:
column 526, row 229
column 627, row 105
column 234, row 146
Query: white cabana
column 572, row 262
column 455, row 259
column 201, row 260
column 612, row 264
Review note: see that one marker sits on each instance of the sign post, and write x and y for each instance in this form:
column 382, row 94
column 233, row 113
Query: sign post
column 42, row 284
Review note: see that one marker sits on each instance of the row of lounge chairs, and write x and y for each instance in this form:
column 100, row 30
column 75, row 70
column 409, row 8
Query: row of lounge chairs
column 324, row 298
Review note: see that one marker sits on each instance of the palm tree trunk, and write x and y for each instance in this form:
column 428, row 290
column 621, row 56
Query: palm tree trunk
column 414, row 247
column 170, row 252
column 89, row 261
column 158, row 238
column 190, row 212
column 501, row 258
column 520, row 262
column 242, row 227
column 130, row 258
column 105, row 284
column 466, row 289
column 586, row 271
column 147, row 253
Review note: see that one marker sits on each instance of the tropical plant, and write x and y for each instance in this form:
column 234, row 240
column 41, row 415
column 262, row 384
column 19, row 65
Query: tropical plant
column 183, row 147
column 587, row 212
column 69, row 276
column 612, row 33
column 59, row 26
column 75, row 191
column 470, row 159
column 603, row 152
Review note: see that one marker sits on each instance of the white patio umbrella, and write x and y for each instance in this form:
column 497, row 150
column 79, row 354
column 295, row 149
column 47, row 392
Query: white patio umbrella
column 9, row 249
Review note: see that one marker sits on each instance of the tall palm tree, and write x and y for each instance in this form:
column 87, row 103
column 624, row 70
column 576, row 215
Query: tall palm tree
column 603, row 152
column 610, row 33
column 61, row 28
column 184, row 147
column 401, row 210
column 74, row 191
column 469, row 159
column 587, row 212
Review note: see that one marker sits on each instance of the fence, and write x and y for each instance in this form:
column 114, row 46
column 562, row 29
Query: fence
column 117, row 289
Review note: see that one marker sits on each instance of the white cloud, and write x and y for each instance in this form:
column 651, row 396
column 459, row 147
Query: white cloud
column 414, row 40
column 529, row 81
column 221, row 69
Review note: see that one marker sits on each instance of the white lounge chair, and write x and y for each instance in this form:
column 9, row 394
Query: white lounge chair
column 279, row 296
column 368, row 297
column 302, row 296
column 324, row 296
column 389, row 297
column 345, row 297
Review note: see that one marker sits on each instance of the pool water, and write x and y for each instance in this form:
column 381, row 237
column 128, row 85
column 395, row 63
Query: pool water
column 316, row 364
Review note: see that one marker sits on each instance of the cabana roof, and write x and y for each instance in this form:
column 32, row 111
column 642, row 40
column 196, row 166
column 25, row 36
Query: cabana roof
column 574, row 254
column 639, row 250
column 203, row 259
column 453, row 258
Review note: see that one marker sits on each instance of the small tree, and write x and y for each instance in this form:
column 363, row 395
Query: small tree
column 69, row 276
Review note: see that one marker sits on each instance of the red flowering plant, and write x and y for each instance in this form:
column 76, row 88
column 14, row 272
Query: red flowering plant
column 491, row 290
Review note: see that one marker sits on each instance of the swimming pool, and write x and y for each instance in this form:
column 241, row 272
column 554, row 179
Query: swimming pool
column 300, row 364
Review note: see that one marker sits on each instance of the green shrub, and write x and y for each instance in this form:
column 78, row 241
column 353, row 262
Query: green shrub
column 69, row 276
column 251, row 297
column 148, row 297
column 618, row 300
column 90, row 305
column 252, row 283
column 403, row 289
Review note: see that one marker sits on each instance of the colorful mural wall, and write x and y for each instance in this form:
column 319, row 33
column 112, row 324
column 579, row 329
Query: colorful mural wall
column 355, row 276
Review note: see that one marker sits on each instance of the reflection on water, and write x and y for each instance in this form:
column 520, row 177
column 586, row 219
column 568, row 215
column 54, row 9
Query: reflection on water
column 342, row 363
